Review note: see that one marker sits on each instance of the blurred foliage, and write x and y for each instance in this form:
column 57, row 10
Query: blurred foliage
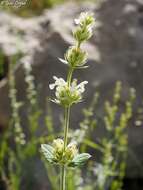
column 35, row 7
column 19, row 145
column 1, row 64
column 108, row 171
column 32, row 7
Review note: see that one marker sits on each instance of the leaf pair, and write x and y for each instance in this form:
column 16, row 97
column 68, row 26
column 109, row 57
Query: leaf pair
column 76, row 67
column 77, row 161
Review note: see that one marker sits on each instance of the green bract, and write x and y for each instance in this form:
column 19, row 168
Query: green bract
column 71, row 151
column 76, row 57
column 58, row 145
column 82, row 34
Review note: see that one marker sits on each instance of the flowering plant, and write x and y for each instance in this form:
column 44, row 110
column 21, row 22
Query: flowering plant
column 67, row 93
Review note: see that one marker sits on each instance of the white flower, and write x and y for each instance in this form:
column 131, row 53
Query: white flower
column 81, row 86
column 81, row 18
column 58, row 82
column 71, row 150
column 67, row 95
column 85, row 18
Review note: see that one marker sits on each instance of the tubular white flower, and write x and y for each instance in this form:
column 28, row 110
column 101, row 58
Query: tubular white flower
column 58, row 82
column 81, row 86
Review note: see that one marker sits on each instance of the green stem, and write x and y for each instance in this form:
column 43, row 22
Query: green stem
column 69, row 78
column 66, row 127
column 78, row 45
column 63, row 178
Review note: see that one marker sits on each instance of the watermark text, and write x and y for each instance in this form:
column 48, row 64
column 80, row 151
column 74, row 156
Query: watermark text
column 13, row 3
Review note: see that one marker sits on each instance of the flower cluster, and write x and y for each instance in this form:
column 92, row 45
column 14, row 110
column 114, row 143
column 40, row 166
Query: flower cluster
column 64, row 156
column 69, row 156
column 85, row 24
column 75, row 57
column 67, row 95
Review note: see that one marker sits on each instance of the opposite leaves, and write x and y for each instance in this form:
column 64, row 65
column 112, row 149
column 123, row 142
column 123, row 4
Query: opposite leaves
column 77, row 161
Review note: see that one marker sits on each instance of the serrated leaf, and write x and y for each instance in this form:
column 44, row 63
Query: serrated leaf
column 48, row 152
column 63, row 61
column 80, row 159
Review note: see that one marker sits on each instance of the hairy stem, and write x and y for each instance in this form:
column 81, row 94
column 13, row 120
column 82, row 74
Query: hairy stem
column 63, row 178
column 69, row 78
column 66, row 127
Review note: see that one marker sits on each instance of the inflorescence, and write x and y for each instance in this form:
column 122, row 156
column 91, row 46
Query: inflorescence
column 69, row 92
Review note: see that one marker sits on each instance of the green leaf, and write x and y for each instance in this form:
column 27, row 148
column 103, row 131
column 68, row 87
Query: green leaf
column 79, row 159
column 48, row 152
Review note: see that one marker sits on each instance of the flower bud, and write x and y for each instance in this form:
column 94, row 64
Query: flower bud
column 76, row 57
column 82, row 34
column 71, row 151
column 58, row 145
column 86, row 23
